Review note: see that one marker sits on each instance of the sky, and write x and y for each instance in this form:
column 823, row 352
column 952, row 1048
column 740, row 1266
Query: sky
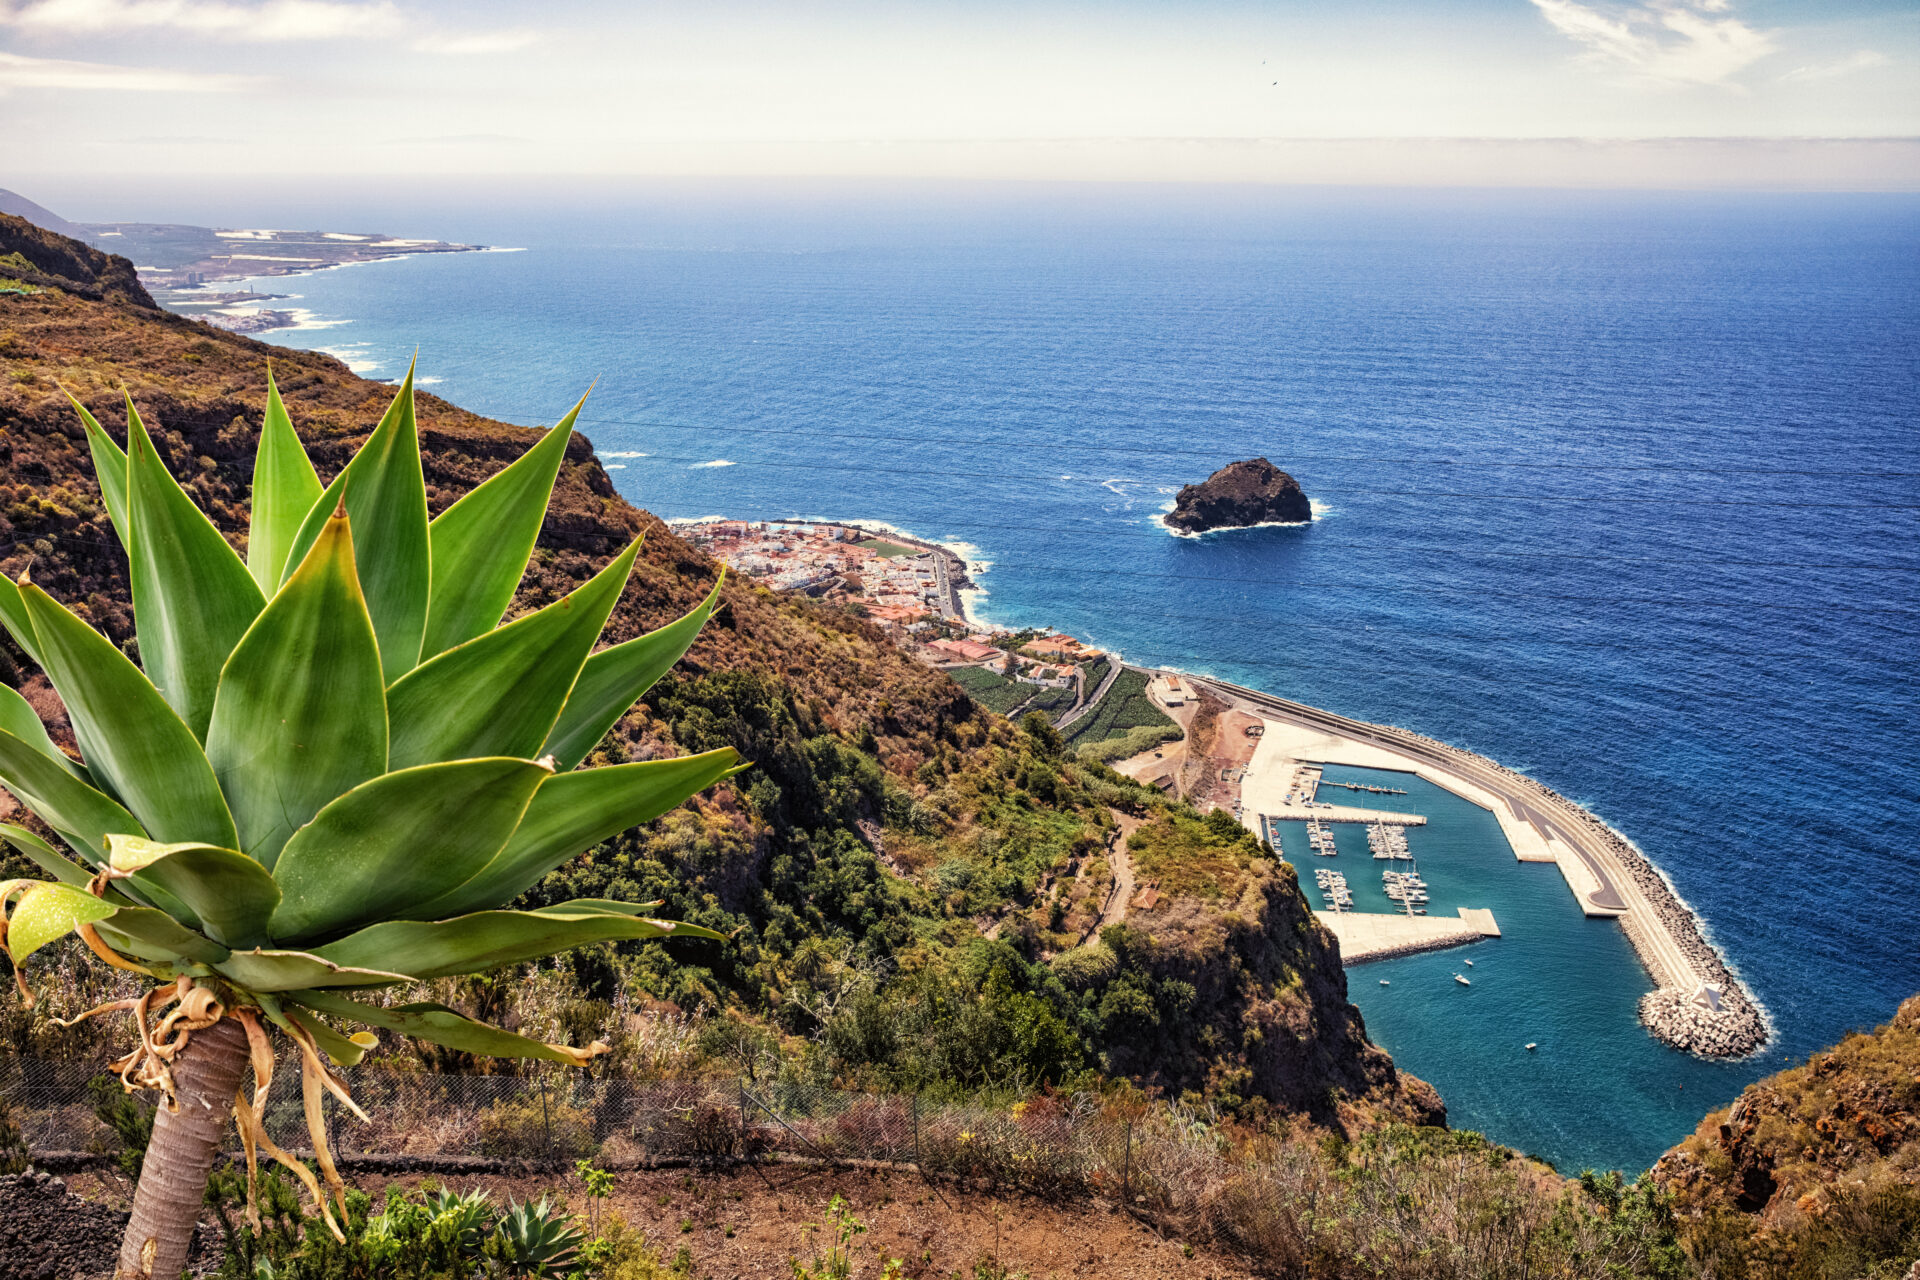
column 1821, row 94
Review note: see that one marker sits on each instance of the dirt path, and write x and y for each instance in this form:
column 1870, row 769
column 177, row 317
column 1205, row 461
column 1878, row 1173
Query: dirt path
column 1122, row 865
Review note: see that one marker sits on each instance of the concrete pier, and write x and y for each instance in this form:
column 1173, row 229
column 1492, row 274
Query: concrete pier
column 1321, row 812
column 1374, row 935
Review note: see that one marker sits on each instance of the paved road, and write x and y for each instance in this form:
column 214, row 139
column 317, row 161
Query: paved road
column 1113, row 673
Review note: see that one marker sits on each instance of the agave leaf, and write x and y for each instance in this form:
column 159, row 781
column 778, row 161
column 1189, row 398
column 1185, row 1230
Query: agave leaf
column 343, row 1049
column 440, row 1025
column 302, row 715
column 13, row 615
column 285, row 487
column 131, row 739
column 45, row 856
column 500, row 694
column 489, row 939
column 109, row 468
column 397, row 841
column 613, row 680
column 386, row 497
column 233, row 895
column 269, row 970
column 18, row 718
column 82, row 815
column 571, row 813
column 156, row 935
column 45, row 912
column 481, row 543
column 192, row 597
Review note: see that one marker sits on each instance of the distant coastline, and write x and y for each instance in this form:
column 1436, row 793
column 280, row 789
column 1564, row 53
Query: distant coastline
column 182, row 265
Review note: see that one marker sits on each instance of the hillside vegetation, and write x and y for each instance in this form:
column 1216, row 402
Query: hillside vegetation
column 889, row 822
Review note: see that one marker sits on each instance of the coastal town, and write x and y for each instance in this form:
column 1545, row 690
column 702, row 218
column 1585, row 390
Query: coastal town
column 913, row 590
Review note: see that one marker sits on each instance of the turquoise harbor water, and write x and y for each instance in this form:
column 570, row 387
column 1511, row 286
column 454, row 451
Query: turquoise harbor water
column 1620, row 490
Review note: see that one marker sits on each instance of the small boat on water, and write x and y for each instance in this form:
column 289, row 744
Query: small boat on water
column 1531, row 1046
column 1385, row 983
column 1468, row 963
column 1462, row 981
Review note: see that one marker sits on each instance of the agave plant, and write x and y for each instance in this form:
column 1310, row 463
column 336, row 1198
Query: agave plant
column 538, row 1241
column 331, row 772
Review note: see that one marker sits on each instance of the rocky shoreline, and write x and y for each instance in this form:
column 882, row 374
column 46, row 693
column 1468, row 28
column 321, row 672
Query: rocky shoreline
column 1671, row 1014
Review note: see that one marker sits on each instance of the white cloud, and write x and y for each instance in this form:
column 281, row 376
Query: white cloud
column 477, row 43
column 1689, row 42
column 222, row 19
column 1838, row 67
column 20, row 72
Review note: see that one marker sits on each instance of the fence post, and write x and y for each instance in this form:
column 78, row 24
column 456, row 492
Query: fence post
column 914, row 1100
column 746, row 1146
column 546, row 1118
column 1126, row 1167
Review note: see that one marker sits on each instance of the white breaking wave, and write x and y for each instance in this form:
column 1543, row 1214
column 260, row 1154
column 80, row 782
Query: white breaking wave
column 625, row 453
column 717, row 462
column 354, row 356
column 1317, row 509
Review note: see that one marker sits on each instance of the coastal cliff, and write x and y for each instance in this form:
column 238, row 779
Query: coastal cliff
column 886, row 813
column 1262, row 1009
column 41, row 259
column 1820, row 1161
column 1238, row 495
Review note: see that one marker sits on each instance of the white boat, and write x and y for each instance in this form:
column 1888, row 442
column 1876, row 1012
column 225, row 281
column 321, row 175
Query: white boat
column 1462, row 981
column 1468, row 963
column 1385, row 983
column 1531, row 1046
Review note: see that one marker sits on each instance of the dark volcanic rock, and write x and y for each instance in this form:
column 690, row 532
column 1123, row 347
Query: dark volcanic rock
column 1240, row 494
column 54, row 261
column 48, row 1233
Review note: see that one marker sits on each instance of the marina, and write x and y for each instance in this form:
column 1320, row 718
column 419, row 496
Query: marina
column 1697, row 1004
column 1388, row 842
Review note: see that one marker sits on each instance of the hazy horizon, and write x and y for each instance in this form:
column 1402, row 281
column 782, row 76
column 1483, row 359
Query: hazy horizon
column 1710, row 94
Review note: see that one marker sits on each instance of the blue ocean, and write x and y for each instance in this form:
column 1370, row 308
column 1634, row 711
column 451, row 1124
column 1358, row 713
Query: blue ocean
column 1620, row 490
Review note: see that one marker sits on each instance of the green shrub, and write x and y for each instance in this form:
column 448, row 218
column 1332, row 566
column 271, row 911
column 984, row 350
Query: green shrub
column 1130, row 743
column 128, row 1117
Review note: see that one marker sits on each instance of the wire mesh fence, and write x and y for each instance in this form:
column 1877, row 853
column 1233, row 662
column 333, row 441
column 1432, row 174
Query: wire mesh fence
column 555, row 1119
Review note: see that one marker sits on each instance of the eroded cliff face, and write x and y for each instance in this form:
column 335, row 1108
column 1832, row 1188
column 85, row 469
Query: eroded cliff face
column 1844, row 1125
column 1268, row 1016
column 1238, row 495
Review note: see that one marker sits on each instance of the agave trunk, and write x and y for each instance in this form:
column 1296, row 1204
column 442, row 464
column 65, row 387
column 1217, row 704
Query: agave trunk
column 167, row 1204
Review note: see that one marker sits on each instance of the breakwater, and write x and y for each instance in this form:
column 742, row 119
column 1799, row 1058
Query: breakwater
column 1699, row 1004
